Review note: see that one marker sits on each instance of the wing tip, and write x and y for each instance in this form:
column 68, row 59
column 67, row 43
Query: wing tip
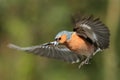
column 80, row 16
column 14, row 46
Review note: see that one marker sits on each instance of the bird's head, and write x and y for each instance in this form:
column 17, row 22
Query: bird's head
column 63, row 36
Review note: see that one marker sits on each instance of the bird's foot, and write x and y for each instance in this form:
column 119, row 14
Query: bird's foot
column 86, row 61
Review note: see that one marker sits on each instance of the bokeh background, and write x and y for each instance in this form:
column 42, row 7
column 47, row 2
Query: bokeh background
column 33, row 22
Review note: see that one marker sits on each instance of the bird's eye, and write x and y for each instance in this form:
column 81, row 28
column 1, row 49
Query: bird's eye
column 59, row 38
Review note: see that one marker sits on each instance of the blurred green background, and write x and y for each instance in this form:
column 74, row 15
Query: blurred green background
column 33, row 22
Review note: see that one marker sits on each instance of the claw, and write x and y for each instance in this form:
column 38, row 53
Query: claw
column 81, row 64
column 86, row 61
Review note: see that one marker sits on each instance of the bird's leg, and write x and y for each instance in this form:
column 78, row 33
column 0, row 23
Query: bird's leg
column 86, row 61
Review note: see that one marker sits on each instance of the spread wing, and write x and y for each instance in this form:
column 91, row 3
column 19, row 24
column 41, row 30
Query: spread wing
column 51, row 51
column 93, row 30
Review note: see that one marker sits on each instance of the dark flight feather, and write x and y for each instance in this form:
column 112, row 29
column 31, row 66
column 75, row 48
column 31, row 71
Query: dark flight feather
column 58, row 52
column 92, row 29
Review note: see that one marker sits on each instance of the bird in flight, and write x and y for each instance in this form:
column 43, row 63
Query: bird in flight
column 88, row 37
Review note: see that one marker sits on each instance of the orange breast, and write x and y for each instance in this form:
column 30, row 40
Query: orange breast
column 79, row 45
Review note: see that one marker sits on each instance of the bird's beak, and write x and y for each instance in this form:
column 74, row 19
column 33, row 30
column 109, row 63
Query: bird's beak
column 55, row 43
